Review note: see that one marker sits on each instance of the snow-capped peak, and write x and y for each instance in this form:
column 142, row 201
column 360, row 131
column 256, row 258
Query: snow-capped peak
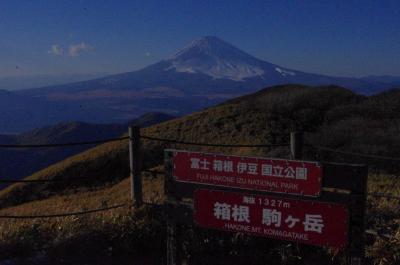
column 212, row 46
column 214, row 57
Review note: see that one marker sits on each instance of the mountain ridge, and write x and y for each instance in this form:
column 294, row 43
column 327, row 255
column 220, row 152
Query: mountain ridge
column 14, row 83
column 209, row 52
column 18, row 163
column 206, row 72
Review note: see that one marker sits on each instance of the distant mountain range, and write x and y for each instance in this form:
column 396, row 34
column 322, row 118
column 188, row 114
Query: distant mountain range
column 206, row 72
column 18, row 163
column 391, row 81
column 29, row 81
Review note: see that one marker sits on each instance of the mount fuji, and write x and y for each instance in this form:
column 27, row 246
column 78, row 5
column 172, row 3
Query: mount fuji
column 206, row 72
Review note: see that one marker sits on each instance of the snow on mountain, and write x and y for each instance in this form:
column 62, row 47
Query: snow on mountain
column 216, row 58
column 284, row 72
column 206, row 72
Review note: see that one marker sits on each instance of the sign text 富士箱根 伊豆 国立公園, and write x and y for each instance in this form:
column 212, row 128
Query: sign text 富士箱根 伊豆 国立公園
column 273, row 175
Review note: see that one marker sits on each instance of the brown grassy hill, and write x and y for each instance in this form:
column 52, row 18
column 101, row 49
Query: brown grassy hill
column 267, row 116
column 264, row 117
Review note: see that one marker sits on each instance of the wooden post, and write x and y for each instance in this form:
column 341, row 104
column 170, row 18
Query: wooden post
column 135, row 165
column 358, row 205
column 173, row 235
column 296, row 145
column 172, row 244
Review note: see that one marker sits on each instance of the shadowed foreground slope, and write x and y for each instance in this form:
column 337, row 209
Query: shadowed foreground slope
column 332, row 116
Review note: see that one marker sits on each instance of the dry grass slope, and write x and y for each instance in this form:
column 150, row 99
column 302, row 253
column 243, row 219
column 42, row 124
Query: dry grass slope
column 265, row 117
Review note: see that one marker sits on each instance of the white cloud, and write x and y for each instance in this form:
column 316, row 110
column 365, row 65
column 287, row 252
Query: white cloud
column 75, row 50
column 56, row 50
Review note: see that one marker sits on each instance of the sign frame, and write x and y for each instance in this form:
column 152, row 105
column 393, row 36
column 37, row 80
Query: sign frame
column 341, row 183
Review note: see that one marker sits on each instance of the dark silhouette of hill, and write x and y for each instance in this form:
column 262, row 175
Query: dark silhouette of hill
column 19, row 163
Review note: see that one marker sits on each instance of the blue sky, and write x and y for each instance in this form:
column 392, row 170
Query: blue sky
column 345, row 38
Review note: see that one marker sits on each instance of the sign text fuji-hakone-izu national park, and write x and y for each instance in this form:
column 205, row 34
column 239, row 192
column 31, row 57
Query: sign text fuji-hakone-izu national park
column 263, row 174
